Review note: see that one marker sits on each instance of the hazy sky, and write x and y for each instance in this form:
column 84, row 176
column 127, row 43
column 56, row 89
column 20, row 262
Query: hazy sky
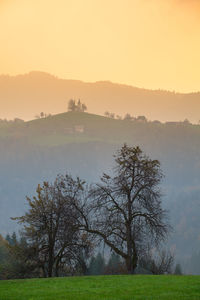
column 145, row 43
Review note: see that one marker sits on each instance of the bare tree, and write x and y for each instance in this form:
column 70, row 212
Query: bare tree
column 50, row 225
column 124, row 210
column 157, row 261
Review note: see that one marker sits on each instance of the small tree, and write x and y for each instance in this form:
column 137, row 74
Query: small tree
column 12, row 240
column 142, row 119
column 157, row 262
column 72, row 105
column 79, row 107
column 178, row 270
column 114, row 265
column 109, row 115
column 128, row 117
column 97, row 265
column 4, row 258
column 83, row 107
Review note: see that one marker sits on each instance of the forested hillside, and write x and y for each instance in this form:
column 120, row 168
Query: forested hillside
column 83, row 144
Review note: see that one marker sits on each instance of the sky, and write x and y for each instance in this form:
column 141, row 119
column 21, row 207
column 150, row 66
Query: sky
column 145, row 43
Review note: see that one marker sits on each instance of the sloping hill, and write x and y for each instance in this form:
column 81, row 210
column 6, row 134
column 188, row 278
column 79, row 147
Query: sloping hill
column 83, row 144
column 24, row 96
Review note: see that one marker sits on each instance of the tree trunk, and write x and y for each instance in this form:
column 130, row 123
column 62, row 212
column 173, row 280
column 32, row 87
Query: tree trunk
column 57, row 267
column 50, row 268
column 131, row 261
column 44, row 272
column 131, row 264
column 50, row 263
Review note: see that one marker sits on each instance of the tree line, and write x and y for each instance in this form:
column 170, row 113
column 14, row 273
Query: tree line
column 68, row 220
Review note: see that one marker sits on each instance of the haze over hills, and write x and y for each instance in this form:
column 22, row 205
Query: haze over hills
column 24, row 96
column 83, row 144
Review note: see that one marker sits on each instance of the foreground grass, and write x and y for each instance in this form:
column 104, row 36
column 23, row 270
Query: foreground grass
column 102, row 287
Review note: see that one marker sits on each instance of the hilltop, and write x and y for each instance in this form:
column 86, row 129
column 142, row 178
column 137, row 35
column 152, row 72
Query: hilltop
column 26, row 95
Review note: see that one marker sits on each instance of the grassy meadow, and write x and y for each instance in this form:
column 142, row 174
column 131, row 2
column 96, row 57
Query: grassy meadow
column 103, row 287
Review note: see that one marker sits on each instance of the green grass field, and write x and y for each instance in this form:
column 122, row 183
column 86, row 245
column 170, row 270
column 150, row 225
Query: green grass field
column 103, row 287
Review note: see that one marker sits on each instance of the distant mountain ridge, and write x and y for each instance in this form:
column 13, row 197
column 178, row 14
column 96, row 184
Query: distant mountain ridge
column 24, row 96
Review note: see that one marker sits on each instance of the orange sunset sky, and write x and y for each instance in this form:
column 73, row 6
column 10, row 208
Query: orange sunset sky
column 145, row 43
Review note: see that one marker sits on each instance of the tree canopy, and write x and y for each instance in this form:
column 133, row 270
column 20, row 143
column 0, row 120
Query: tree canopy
column 50, row 225
column 124, row 209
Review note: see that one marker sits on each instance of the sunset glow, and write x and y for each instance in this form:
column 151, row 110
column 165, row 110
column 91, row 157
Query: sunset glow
column 145, row 43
